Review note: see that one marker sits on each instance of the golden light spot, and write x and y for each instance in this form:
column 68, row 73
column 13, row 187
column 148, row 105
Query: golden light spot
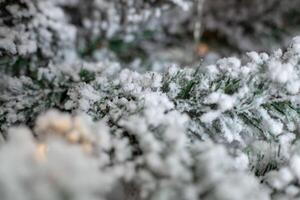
column 63, row 124
column 73, row 136
column 202, row 49
column 80, row 126
column 41, row 151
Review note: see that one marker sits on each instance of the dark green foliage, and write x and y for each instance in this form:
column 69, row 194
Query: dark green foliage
column 86, row 75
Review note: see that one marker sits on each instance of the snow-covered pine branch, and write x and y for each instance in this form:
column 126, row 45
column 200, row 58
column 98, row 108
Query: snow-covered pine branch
column 167, row 131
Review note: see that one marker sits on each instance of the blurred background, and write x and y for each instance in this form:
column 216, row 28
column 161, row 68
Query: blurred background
column 182, row 32
column 148, row 34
